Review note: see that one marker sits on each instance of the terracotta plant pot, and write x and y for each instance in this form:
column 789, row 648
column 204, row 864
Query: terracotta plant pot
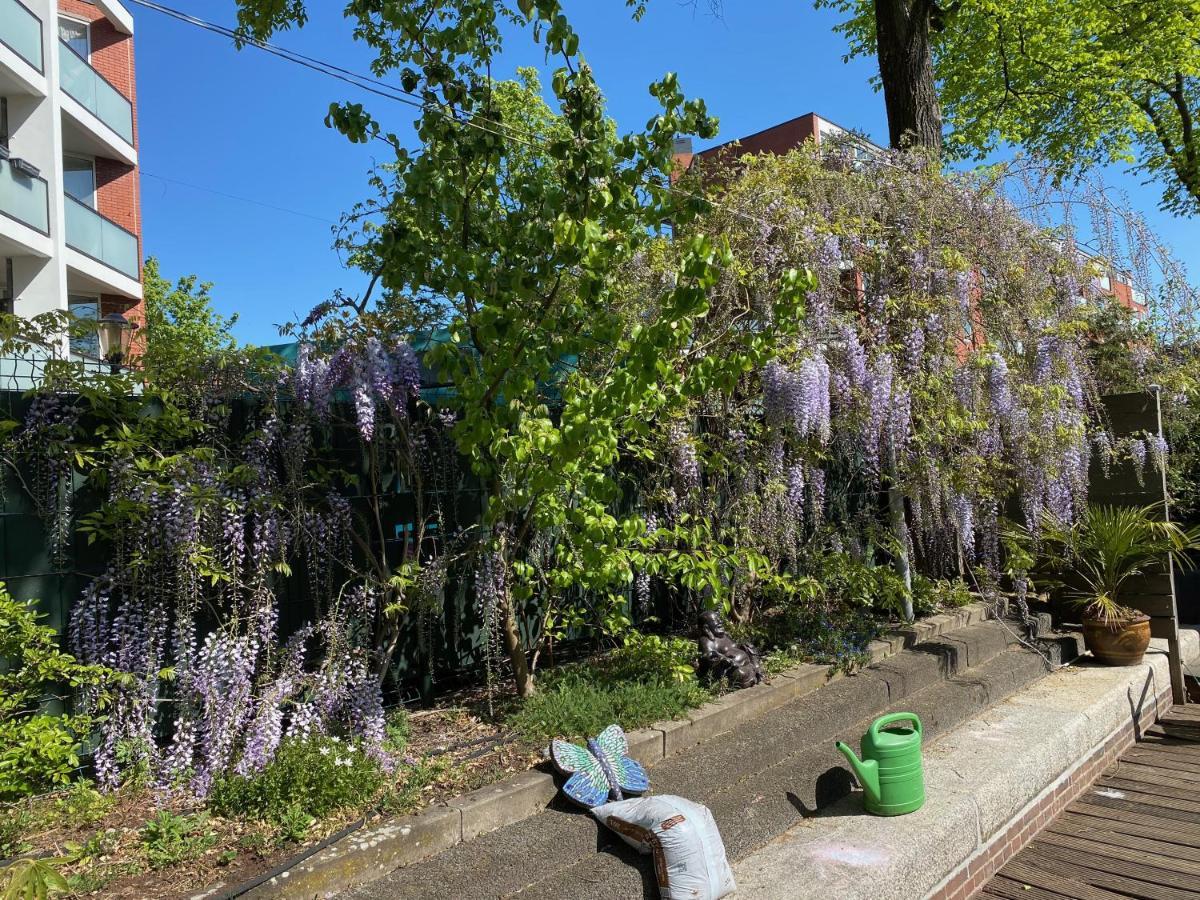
column 1122, row 644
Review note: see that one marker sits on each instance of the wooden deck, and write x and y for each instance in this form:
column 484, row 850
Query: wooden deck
column 1135, row 833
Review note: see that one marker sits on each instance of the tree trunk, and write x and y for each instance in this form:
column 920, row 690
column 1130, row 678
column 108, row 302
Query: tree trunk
column 902, row 29
column 899, row 526
column 522, row 677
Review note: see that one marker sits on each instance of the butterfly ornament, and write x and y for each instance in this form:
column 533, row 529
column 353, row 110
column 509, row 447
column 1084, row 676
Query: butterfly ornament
column 600, row 772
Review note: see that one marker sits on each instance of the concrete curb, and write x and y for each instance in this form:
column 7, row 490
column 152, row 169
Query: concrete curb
column 379, row 849
column 991, row 784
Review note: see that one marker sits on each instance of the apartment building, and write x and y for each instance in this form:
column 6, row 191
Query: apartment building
column 70, row 210
column 790, row 135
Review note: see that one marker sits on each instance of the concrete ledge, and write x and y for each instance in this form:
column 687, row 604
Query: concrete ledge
column 376, row 851
column 982, row 779
column 509, row 800
column 382, row 849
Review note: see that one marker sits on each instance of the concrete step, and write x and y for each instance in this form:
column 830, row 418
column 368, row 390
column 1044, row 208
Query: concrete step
column 991, row 782
column 759, row 780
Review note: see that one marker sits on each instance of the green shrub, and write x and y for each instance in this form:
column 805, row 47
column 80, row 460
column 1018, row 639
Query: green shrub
column 648, row 679
column 169, row 838
column 38, row 751
column 398, row 731
column 929, row 596
column 312, row 777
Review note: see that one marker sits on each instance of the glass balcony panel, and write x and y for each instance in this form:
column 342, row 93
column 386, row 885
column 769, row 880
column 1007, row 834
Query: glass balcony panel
column 104, row 241
column 21, row 30
column 88, row 88
column 24, row 198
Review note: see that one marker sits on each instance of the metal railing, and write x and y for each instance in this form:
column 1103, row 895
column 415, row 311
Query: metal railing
column 21, row 32
column 102, row 239
column 24, row 197
column 89, row 88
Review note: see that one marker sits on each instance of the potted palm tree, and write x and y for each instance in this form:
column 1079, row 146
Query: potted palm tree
column 1095, row 559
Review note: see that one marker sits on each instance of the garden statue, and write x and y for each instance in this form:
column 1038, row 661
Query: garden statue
column 721, row 657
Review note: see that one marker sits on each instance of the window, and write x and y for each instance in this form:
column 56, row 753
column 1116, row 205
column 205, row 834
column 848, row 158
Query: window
column 83, row 307
column 79, row 179
column 76, row 35
column 4, row 121
column 6, row 287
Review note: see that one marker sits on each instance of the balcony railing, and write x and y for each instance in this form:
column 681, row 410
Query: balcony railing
column 24, row 197
column 21, row 32
column 103, row 240
column 87, row 86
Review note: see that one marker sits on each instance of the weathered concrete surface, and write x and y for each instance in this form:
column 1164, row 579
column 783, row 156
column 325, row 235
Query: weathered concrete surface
column 759, row 781
column 978, row 776
column 386, row 847
column 486, row 809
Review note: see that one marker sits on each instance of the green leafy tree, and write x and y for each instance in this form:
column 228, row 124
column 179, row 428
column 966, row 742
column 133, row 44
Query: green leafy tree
column 182, row 330
column 1079, row 82
column 518, row 240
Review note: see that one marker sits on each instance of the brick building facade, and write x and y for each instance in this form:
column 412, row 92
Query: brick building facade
column 70, row 204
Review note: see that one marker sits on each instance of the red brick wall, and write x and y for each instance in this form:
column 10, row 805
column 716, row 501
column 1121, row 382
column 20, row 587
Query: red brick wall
column 118, row 186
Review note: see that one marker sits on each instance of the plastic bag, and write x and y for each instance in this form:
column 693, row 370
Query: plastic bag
column 689, row 856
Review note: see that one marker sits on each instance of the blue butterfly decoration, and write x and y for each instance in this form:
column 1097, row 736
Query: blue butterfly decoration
column 600, row 772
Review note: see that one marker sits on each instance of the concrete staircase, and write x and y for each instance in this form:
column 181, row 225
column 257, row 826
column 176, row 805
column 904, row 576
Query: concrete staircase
column 760, row 780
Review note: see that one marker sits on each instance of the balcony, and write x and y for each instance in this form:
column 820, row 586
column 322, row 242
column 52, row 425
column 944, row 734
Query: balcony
column 21, row 32
column 89, row 89
column 101, row 240
column 24, row 198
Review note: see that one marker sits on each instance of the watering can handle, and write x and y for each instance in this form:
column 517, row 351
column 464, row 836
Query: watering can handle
column 892, row 718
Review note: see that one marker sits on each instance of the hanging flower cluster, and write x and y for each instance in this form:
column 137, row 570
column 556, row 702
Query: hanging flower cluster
column 203, row 542
column 372, row 374
column 940, row 360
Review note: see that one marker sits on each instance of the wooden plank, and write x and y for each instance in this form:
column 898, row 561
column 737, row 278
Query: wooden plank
column 1143, row 404
column 1164, row 627
column 1129, row 771
column 1025, row 870
column 1182, row 715
column 1144, row 803
column 1165, row 752
column 1173, row 797
column 1119, row 815
column 1170, row 862
column 1015, row 889
column 1147, row 882
column 1126, row 834
column 1188, row 732
column 1034, row 860
column 1153, row 743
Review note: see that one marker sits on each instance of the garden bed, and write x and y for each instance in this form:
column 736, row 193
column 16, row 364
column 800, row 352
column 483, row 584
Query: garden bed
column 136, row 844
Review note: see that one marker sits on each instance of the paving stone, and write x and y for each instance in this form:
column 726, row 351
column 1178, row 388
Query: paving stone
column 505, row 802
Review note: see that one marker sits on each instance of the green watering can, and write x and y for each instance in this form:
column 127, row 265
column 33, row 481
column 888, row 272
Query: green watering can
column 890, row 770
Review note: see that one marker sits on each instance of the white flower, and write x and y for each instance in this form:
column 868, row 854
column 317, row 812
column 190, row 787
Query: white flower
column 343, row 762
column 324, row 751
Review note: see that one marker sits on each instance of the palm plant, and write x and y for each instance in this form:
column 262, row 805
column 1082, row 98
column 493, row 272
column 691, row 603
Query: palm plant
column 1095, row 556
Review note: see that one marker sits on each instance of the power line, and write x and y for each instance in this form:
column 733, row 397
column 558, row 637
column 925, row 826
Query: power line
column 383, row 89
column 208, row 190
column 363, row 82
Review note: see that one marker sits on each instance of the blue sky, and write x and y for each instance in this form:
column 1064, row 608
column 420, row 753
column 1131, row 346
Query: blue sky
column 218, row 124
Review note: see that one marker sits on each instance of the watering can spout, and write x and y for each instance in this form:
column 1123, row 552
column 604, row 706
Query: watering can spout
column 866, row 770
